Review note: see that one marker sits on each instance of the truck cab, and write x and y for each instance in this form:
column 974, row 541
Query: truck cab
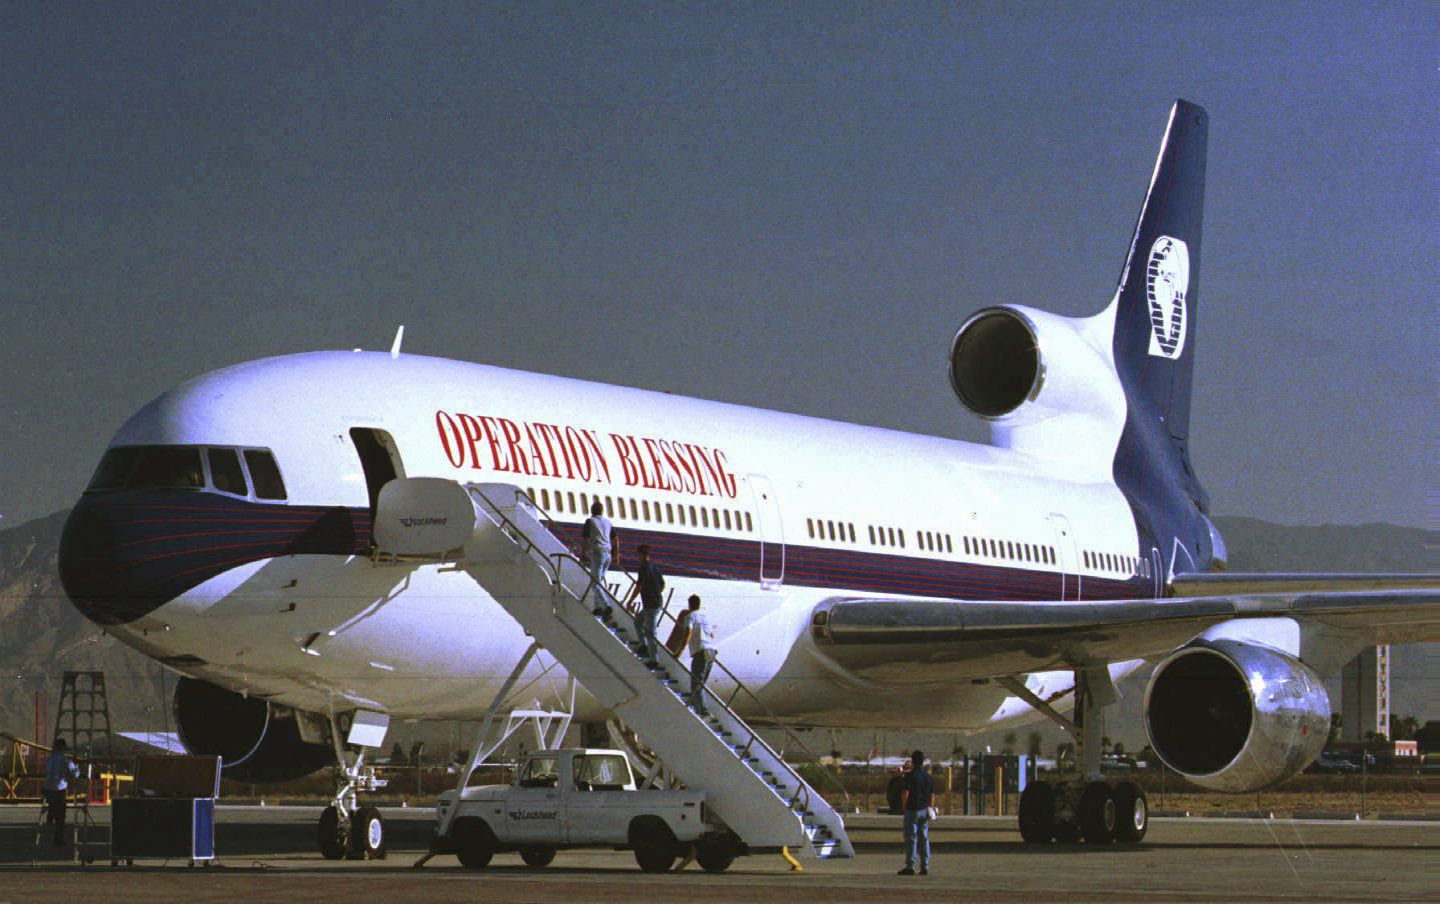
column 582, row 797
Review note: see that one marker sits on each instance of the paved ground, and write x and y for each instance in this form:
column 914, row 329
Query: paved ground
column 266, row 855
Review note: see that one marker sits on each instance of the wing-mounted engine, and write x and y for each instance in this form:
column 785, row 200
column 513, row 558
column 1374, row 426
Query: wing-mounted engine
column 1236, row 717
column 256, row 740
column 1045, row 383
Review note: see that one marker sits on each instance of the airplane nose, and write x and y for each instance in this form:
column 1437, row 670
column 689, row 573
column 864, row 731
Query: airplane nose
column 99, row 564
column 124, row 554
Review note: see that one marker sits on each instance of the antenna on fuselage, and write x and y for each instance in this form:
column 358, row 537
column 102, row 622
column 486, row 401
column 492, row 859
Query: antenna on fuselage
column 395, row 346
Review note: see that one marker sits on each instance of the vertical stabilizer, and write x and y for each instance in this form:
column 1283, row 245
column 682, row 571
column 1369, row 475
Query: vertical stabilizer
column 1155, row 341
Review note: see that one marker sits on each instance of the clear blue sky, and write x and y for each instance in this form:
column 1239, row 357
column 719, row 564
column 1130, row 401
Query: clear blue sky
column 790, row 205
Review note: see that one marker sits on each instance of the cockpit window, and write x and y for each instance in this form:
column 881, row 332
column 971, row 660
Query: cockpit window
column 180, row 468
column 167, row 468
column 265, row 474
column 225, row 472
column 114, row 469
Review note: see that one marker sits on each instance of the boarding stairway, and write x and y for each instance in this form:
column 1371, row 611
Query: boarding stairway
column 535, row 577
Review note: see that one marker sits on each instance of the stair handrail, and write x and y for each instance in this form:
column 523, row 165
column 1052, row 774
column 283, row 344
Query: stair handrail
column 516, row 532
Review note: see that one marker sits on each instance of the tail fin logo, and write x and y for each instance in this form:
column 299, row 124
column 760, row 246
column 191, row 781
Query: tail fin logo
column 1167, row 279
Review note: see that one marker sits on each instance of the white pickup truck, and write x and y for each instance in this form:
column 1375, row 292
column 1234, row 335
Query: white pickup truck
column 582, row 798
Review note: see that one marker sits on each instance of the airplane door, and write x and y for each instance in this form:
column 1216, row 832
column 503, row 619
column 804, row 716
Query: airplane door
column 772, row 532
column 379, row 457
column 1068, row 560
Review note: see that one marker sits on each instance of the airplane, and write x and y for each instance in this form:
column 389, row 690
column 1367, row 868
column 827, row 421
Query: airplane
column 856, row 576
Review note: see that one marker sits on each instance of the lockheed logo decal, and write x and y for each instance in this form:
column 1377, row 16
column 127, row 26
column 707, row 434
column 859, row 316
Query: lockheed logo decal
column 423, row 522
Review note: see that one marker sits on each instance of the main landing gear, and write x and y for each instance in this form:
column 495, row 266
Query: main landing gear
column 1089, row 807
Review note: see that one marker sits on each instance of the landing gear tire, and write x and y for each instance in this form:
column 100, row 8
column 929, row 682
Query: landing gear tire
column 333, row 834
column 1132, row 813
column 367, row 835
column 715, row 854
column 476, row 845
column 537, row 857
column 1037, row 813
column 1097, row 813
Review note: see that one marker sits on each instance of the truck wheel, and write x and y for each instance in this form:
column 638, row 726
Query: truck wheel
column 715, row 854
column 654, row 844
column 537, row 856
column 476, row 844
column 333, row 834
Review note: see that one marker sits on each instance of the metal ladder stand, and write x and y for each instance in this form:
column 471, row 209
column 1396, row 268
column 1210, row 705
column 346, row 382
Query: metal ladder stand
column 532, row 574
column 82, row 717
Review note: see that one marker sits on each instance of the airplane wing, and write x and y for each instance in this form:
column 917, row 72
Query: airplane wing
column 883, row 640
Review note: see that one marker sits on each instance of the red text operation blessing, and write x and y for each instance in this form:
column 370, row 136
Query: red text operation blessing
column 580, row 453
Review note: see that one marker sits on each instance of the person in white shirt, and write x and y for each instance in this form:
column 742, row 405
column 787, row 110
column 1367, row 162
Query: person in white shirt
column 702, row 653
column 599, row 544
column 59, row 770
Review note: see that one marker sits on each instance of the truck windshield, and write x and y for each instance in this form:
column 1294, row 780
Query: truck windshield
column 601, row 772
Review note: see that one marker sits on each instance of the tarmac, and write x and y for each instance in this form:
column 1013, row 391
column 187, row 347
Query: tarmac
column 267, row 854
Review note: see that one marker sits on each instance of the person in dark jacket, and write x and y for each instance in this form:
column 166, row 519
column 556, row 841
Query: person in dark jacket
column 916, row 797
column 652, row 588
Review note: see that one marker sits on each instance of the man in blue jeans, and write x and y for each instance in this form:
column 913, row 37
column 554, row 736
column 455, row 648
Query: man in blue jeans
column 915, row 798
column 650, row 584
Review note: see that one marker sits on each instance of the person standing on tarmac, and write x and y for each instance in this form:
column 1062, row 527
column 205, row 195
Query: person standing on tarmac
column 59, row 770
column 915, row 798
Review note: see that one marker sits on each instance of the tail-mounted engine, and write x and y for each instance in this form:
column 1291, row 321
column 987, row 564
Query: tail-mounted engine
column 1044, row 382
column 1236, row 717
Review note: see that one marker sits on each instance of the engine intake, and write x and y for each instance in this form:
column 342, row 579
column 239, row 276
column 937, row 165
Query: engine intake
column 1236, row 717
column 257, row 741
column 995, row 362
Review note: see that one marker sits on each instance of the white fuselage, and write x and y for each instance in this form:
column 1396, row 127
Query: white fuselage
column 762, row 514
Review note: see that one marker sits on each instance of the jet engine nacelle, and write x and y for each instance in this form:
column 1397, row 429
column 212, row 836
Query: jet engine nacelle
column 257, row 741
column 1010, row 361
column 1236, row 717
column 1045, row 382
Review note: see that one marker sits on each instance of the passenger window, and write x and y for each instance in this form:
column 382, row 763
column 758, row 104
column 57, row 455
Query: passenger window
column 600, row 773
column 669, row 513
column 645, row 508
column 749, row 525
column 540, row 772
column 264, row 474
column 225, row 472
column 705, row 517
column 727, row 519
